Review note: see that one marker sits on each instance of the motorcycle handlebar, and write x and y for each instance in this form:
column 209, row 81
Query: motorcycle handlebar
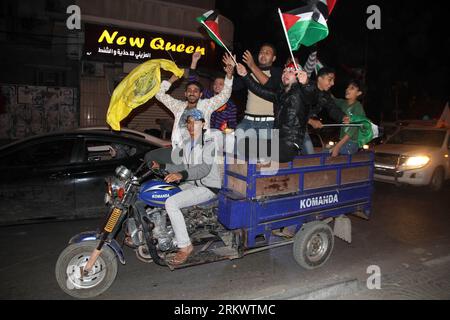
column 139, row 168
column 157, row 172
column 145, row 176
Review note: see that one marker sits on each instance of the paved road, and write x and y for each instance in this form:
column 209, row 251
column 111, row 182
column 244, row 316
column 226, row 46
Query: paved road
column 408, row 238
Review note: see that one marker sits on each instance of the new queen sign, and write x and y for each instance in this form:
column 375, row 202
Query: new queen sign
column 109, row 43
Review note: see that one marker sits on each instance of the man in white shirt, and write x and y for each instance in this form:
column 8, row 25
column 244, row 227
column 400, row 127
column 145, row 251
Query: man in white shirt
column 180, row 108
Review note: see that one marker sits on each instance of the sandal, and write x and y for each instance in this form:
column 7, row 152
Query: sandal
column 181, row 256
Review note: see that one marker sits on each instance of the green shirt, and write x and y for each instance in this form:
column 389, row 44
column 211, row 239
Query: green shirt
column 354, row 109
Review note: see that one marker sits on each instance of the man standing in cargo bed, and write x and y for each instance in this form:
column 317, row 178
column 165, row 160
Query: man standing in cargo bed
column 193, row 93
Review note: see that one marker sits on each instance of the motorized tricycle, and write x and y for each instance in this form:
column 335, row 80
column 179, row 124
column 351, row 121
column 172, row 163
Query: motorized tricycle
column 305, row 195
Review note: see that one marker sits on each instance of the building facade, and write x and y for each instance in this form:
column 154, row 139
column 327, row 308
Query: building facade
column 46, row 66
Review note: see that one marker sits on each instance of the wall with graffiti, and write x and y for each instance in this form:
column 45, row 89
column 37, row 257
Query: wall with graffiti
column 31, row 110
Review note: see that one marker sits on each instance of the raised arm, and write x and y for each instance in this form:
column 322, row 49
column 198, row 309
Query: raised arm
column 250, row 62
column 238, row 83
column 194, row 76
column 255, row 87
column 220, row 99
column 170, row 103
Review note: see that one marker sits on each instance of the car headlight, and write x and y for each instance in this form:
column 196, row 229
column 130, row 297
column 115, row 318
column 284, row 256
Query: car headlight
column 415, row 162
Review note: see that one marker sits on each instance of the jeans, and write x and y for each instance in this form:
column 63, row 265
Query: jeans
column 286, row 151
column 263, row 132
column 307, row 147
column 350, row 147
column 191, row 195
column 262, row 128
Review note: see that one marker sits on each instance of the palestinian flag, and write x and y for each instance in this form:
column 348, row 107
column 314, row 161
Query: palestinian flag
column 308, row 25
column 330, row 4
column 368, row 130
column 210, row 20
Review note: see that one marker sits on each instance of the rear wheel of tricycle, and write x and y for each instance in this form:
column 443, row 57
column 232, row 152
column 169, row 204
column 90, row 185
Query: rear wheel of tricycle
column 69, row 270
column 313, row 244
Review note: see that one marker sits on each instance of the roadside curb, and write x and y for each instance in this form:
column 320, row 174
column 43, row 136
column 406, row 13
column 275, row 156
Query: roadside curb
column 329, row 291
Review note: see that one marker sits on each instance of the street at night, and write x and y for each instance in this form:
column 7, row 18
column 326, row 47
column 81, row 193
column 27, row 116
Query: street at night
column 407, row 237
column 247, row 151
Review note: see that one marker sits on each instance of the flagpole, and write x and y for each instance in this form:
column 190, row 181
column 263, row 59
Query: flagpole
column 287, row 39
column 223, row 44
column 342, row 125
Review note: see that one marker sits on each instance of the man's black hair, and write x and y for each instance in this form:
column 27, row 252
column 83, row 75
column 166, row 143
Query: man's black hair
column 267, row 44
column 325, row 70
column 195, row 83
column 361, row 87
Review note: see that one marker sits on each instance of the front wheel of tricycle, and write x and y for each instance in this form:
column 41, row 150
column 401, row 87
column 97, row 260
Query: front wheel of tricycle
column 313, row 245
column 70, row 265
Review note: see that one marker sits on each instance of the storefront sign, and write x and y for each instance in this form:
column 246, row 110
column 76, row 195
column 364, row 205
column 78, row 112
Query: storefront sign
column 113, row 43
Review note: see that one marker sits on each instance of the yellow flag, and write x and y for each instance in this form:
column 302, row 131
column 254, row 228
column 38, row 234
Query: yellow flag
column 139, row 86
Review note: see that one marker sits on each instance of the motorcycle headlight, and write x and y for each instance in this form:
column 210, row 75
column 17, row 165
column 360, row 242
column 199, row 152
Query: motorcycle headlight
column 116, row 189
column 415, row 162
column 123, row 173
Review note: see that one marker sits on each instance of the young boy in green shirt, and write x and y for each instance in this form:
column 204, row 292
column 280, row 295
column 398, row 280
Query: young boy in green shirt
column 348, row 143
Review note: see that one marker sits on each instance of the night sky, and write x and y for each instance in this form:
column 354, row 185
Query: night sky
column 406, row 62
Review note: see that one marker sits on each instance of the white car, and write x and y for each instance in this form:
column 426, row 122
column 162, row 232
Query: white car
column 416, row 156
column 152, row 139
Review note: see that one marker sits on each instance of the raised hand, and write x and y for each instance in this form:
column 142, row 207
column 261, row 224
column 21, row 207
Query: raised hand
column 228, row 60
column 241, row 70
column 195, row 57
column 248, row 59
column 229, row 69
column 302, row 77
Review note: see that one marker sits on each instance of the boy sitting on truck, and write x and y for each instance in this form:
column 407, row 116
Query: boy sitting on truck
column 348, row 143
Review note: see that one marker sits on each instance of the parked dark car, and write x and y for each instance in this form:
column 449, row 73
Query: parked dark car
column 62, row 175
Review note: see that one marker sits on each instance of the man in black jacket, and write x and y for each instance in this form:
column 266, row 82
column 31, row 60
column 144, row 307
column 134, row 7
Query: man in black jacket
column 319, row 99
column 258, row 111
column 290, row 109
